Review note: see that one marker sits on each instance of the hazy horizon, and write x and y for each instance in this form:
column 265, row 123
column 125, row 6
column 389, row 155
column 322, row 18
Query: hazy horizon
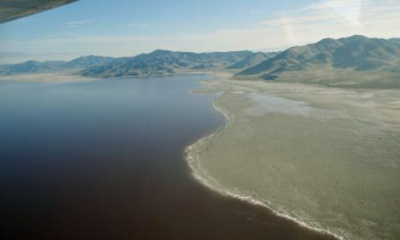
column 158, row 49
column 128, row 28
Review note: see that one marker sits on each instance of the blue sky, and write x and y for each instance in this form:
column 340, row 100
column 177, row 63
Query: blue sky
column 129, row 27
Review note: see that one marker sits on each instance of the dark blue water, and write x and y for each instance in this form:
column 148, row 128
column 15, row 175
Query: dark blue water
column 104, row 160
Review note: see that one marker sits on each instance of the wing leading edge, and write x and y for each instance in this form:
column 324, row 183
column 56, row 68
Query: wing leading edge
column 13, row 9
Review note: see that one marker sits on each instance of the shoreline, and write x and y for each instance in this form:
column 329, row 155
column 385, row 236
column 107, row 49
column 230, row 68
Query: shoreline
column 192, row 157
column 57, row 77
column 347, row 116
column 60, row 77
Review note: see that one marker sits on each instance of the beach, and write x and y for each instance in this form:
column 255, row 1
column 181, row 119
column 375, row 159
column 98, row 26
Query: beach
column 326, row 158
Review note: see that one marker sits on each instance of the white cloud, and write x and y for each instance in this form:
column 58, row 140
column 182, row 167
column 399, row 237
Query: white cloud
column 76, row 24
column 327, row 18
column 338, row 18
column 254, row 12
column 139, row 25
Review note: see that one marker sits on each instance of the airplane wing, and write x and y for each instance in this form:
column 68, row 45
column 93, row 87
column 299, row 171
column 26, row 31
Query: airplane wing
column 13, row 9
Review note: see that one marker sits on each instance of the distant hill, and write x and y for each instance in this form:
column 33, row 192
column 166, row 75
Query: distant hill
column 203, row 66
column 355, row 61
column 161, row 62
column 395, row 40
column 53, row 66
column 88, row 61
column 356, row 53
column 31, row 67
column 252, row 60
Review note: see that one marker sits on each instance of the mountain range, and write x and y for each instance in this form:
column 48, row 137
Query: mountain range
column 333, row 62
column 357, row 52
column 158, row 62
column 162, row 62
column 53, row 66
column 252, row 60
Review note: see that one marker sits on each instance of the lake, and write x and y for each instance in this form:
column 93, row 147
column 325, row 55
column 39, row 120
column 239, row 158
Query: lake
column 104, row 159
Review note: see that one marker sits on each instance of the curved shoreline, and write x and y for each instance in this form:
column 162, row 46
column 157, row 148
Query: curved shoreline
column 192, row 156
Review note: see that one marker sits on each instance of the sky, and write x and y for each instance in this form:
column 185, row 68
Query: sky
column 129, row 27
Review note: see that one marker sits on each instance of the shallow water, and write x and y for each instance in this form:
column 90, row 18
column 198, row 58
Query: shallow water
column 104, row 160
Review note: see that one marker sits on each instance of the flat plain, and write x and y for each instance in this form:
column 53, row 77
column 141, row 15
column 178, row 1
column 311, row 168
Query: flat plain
column 326, row 157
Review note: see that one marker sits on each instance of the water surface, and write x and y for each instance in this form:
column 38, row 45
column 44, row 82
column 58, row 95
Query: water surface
column 104, row 160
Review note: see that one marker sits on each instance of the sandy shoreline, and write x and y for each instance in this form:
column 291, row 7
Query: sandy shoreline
column 200, row 174
column 71, row 76
column 193, row 153
column 384, row 119
column 46, row 77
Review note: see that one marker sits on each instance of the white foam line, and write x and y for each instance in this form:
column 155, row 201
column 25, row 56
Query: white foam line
column 193, row 159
